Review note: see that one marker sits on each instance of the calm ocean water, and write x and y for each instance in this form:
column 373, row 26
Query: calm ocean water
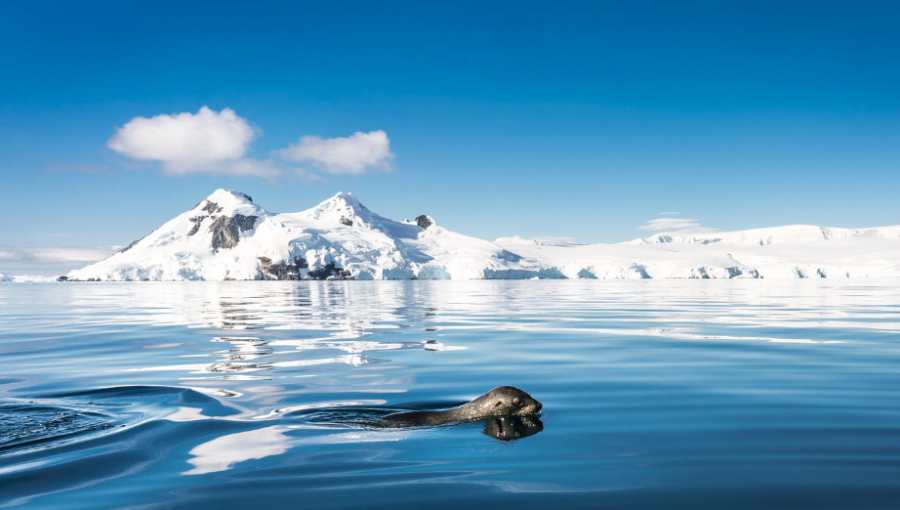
column 657, row 394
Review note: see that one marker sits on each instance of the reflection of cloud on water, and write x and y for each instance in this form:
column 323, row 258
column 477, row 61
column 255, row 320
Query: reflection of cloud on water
column 222, row 453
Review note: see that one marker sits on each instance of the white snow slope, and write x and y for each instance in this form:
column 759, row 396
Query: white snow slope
column 227, row 236
column 794, row 251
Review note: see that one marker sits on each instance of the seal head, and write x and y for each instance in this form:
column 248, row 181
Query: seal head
column 500, row 401
column 503, row 401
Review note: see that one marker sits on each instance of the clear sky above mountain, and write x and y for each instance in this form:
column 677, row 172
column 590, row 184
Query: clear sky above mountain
column 579, row 119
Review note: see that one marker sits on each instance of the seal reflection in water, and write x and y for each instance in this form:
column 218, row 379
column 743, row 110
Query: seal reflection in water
column 503, row 401
column 510, row 428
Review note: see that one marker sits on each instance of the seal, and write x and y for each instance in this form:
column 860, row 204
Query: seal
column 500, row 401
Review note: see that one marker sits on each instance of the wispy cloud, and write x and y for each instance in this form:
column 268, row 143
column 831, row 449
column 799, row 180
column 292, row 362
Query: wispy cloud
column 50, row 259
column 675, row 225
column 353, row 154
column 55, row 254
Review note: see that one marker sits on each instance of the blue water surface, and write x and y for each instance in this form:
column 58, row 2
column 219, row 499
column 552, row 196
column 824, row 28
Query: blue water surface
column 657, row 394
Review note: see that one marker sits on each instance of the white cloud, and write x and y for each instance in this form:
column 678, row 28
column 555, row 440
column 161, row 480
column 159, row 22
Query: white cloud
column 348, row 155
column 52, row 260
column 217, row 143
column 206, row 141
column 675, row 225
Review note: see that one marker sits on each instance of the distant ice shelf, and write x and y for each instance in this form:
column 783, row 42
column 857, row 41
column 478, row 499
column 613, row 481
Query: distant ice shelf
column 25, row 278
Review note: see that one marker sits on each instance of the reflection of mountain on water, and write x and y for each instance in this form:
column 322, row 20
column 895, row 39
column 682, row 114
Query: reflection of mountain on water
column 328, row 306
column 254, row 358
column 287, row 328
column 333, row 337
column 352, row 310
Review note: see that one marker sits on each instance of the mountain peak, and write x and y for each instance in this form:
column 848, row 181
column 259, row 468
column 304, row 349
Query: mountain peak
column 342, row 206
column 229, row 196
column 342, row 197
column 226, row 201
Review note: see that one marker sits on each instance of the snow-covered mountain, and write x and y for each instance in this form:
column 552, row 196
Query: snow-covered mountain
column 227, row 236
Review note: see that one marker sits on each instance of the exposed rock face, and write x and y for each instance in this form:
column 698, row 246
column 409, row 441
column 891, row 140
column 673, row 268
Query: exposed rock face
column 330, row 272
column 244, row 222
column 281, row 270
column 196, row 220
column 227, row 231
column 346, row 221
column 424, row 221
column 292, row 271
column 212, row 207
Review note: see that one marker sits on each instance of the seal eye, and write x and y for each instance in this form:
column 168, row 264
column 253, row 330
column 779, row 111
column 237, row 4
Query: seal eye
column 497, row 404
column 517, row 402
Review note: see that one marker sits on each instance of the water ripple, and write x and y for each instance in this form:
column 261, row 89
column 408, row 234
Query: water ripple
column 251, row 394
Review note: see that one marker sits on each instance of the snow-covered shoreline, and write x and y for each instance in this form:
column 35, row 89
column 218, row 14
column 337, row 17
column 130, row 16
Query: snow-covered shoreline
column 229, row 237
column 26, row 278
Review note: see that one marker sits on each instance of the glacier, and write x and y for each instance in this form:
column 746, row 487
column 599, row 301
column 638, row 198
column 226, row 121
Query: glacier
column 229, row 237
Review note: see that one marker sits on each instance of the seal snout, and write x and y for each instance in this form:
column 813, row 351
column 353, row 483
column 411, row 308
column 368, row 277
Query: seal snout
column 534, row 408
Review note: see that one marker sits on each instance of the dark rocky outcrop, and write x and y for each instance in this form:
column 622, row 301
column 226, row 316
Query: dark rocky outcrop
column 424, row 221
column 346, row 221
column 226, row 231
column 281, row 270
column 196, row 220
column 329, row 270
column 212, row 207
column 286, row 270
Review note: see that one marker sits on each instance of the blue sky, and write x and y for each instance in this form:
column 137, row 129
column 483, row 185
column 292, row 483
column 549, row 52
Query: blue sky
column 579, row 119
